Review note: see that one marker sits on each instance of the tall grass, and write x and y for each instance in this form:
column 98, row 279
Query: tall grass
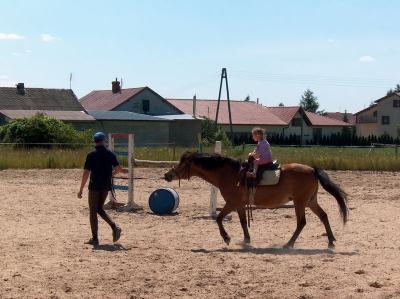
column 380, row 159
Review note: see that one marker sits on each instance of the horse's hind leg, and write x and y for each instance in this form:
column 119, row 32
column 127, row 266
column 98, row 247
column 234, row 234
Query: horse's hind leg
column 314, row 206
column 242, row 216
column 301, row 222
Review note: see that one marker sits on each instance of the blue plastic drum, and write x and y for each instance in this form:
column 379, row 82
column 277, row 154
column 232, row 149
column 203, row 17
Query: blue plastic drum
column 164, row 201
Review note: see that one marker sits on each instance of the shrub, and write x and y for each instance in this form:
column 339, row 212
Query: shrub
column 42, row 129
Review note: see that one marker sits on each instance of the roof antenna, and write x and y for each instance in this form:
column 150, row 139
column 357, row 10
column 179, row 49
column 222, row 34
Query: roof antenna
column 70, row 80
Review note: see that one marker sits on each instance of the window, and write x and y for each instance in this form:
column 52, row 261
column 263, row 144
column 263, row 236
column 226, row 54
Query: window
column 396, row 103
column 375, row 114
column 385, row 120
column 296, row 122
column 145, row 106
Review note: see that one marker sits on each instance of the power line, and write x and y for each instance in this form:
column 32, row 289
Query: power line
column 288, row 78
column 198, row 83
column 318, row 80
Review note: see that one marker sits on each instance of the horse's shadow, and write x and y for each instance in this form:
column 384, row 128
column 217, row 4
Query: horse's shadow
column 113, row 247
column 275, row 250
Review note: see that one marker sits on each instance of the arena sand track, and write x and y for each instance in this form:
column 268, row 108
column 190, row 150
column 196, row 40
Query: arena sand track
column 182, row 255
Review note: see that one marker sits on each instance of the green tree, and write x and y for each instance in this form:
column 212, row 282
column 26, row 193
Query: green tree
column 247, row 99
column 281, row 104
column 209, row 135
column 396, row 89
column 309, row 102
column 42, row 129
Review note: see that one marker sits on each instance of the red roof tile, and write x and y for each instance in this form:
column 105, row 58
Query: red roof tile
column 285, row 113
column 106, row 100
column 242, row 113
column 319, row 120
column 351, row 118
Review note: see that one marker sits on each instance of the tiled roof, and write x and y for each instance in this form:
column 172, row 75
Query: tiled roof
column 39, row 99
column 351, row 118
column 61, row 115
column 319, row 120
column 285, row 113
column 242, row 113
column 107, row 100
column 122, row 115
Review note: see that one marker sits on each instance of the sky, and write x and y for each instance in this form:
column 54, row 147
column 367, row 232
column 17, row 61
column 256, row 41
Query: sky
column 346, row 52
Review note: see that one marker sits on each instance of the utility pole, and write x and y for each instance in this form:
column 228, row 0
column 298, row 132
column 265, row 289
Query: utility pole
column 224, row 76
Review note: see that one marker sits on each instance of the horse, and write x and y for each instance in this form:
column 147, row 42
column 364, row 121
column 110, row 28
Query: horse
column 298, row 183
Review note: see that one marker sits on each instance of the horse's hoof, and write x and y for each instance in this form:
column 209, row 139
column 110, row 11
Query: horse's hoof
column 227, row 240
column 287, row 246
column 331, row 245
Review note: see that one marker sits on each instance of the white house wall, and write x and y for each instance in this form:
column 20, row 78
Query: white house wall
column 385, row 108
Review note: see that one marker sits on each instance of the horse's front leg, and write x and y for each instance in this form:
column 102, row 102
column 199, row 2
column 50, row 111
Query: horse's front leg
column 243, row 222
column 224, row 212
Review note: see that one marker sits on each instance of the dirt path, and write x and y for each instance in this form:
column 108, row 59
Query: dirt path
column 182, row 255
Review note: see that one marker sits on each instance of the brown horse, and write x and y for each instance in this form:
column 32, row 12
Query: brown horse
column 298, row 183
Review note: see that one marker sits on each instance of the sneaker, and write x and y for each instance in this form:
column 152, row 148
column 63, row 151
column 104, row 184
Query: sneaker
column 94, row 242
column 116, row 234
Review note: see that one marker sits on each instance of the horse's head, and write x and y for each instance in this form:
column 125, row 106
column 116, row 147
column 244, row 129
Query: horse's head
column 182, row 169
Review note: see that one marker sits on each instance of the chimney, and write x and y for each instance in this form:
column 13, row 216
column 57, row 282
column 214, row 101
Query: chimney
column 115, row 86
column 20, row 89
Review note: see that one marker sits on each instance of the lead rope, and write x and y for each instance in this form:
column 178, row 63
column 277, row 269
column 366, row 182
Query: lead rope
column 248, row 208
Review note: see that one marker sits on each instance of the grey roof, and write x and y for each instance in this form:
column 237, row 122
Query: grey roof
column 61, row 115
column 39, row 99
column 122, row 115
column 180, row 116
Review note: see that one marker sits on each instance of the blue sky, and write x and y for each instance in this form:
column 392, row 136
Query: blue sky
column 346, row 52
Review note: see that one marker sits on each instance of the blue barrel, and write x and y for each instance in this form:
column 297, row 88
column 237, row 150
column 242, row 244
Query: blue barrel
column 164, row 201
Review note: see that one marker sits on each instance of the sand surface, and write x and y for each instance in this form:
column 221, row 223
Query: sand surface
column 182, row 255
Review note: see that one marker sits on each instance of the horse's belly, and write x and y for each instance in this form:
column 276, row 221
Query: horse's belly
column 265, row 200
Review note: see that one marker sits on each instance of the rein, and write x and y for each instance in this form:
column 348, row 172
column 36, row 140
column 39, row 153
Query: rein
column 186, row 167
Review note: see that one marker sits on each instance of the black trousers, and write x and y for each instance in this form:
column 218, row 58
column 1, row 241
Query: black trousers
column 96, row 203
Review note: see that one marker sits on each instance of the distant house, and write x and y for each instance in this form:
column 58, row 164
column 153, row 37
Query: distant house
column 61, row 104
column 380, row 118
column 142, row 112
column 275, row 120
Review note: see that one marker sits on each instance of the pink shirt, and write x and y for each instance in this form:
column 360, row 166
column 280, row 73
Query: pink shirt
column 263, row 149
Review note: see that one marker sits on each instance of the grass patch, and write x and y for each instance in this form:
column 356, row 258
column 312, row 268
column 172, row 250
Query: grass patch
column 380, row 159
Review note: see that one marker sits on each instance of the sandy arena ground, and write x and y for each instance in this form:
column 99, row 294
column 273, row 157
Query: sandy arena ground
column 182, row 255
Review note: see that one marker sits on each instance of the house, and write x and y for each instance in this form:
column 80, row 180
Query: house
column 58, row 103
column 245, row 115
column 142, row 112
column 380, row 118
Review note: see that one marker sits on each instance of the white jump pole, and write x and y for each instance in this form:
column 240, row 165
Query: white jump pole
column 214, row 190
column 130, row 154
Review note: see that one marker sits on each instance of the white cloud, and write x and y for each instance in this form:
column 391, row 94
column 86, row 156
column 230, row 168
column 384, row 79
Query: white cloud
column 3, row 77
column 28, row 51
column 47, row 37
column 330, row 40
column 11, row 36
column 16, row 54
column 367, row 59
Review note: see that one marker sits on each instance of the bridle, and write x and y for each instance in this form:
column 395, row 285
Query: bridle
column 184, row 169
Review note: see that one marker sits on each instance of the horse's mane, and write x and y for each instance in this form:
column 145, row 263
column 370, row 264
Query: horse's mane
column 210, row 161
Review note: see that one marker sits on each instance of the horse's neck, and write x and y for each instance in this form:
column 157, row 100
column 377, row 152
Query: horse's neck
column 217, row 176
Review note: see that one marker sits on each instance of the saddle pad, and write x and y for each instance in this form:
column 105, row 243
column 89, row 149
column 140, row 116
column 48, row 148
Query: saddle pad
column 270, row 177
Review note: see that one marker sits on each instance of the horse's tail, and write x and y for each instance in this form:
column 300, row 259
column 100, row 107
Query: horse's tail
column 335, row 191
